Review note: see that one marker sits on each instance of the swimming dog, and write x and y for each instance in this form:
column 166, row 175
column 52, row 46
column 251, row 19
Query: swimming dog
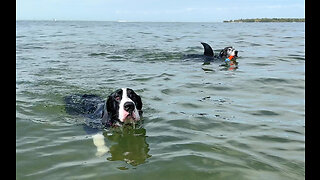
column 121, row 107
column 209, row 56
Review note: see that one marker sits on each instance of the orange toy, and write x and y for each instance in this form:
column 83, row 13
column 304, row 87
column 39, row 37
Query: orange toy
column 229, row 58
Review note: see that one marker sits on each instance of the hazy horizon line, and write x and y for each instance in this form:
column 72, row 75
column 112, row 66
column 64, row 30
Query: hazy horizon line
column 124, row 21
column 129, row 21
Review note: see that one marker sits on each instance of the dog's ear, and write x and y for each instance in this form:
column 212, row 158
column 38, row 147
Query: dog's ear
column 109, row 104
column 135, row 98
column 139, row 103
column 222, row 53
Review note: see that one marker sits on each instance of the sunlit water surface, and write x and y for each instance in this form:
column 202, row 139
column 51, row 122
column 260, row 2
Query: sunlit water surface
column 200, row 121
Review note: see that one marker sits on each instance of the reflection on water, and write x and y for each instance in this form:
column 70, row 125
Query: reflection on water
column 233, row 65
column 128, row 144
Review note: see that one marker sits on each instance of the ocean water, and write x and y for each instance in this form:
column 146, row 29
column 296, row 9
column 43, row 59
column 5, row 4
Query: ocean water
column 200, row 121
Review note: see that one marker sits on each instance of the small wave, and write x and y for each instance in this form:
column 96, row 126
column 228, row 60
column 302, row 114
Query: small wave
column 219, row 88
column 273, row 138
column 144, row 32
column 143, row 79
column 261, row 64
column 190, row 105
column 296, row 56
column 255, row 44
column 32, row 46
column 272, row 80
column 20, row 36
column 263, row 113
column 162, row 56
column 98, row 54
column 166, row 75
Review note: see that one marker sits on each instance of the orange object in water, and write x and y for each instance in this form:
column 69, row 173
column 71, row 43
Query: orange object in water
column 229, row 58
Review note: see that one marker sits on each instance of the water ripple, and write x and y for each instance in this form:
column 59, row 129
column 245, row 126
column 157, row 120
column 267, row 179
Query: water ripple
column 200, row 121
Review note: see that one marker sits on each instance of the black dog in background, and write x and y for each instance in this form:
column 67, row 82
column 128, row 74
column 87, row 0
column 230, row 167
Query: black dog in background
column 209, row 56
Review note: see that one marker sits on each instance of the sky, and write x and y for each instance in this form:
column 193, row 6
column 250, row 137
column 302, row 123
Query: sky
column 158, row 10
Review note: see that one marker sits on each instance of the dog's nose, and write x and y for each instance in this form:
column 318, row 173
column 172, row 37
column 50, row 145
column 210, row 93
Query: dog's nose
column 236, row 53
column 128, row 106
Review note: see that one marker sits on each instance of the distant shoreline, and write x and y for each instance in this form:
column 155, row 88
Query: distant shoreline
column 267, row 20
column 125, row 21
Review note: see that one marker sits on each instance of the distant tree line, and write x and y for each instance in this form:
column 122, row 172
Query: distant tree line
column 268, row 20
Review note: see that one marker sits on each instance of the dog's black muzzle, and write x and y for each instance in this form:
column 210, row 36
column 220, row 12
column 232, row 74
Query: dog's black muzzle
column 236, row 53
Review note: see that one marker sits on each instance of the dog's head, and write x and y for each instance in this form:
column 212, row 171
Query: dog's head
column 228, row 51
column 124, row 105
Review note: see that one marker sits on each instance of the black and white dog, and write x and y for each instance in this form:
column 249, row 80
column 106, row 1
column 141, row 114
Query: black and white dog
column 209, row 56
column 123, row 106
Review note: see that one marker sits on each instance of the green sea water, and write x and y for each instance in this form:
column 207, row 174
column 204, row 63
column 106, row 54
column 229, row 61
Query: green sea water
column 200, row 121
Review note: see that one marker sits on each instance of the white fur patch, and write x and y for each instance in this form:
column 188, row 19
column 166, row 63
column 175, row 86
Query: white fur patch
column 122, row 113
column 98, row 141
column 231, row 52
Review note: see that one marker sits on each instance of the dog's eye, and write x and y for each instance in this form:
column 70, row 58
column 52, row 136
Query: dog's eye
column 117, row 98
